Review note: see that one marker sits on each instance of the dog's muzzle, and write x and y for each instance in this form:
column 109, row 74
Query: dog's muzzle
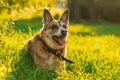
column 61, row 40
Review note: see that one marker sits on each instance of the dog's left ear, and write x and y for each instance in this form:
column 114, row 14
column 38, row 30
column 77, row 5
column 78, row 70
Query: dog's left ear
column 65, row 17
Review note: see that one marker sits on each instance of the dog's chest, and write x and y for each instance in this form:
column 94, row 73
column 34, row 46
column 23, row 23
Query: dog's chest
column 41, row 55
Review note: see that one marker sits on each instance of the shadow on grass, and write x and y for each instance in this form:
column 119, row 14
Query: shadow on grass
column 24, row 25
column 26, row 70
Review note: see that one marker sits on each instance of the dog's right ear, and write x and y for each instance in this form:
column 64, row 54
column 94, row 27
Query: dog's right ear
column 47, row 17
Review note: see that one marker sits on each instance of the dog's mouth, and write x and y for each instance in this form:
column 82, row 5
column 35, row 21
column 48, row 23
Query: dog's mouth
column 59, row 40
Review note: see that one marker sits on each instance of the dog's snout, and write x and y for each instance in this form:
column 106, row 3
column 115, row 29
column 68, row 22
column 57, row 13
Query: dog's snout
column 64, row 32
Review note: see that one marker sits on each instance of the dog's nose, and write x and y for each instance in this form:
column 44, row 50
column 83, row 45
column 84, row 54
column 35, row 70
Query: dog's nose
column 64, row 32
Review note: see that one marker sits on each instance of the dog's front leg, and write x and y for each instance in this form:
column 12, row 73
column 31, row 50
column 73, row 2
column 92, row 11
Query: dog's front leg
column 60, row 64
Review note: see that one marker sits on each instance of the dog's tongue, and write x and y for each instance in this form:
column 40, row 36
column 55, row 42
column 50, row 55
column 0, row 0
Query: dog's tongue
column 61, row 40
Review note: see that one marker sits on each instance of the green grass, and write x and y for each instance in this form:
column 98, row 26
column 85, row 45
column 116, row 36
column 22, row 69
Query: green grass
column 95, row 48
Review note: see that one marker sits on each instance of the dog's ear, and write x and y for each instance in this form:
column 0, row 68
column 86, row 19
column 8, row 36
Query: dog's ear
column 47, row 17
column 65, row 17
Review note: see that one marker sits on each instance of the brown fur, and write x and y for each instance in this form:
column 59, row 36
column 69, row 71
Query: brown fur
column 42, row 58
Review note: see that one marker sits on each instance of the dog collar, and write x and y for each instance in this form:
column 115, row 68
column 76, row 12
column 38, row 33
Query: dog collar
column 54, row 51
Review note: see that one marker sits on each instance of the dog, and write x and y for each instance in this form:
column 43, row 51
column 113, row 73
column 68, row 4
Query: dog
column 48, row 47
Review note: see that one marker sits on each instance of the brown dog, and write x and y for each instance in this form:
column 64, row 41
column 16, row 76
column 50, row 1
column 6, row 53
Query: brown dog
column 47, row 48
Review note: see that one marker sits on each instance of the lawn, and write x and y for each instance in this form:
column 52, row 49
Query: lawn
column 93, row 46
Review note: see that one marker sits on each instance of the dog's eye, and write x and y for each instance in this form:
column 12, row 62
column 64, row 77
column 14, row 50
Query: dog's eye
column 64, row 26
column 54, row 26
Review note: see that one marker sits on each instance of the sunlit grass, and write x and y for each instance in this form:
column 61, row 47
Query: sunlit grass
column 96, row 56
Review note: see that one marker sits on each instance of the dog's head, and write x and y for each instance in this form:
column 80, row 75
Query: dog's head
column 54, row 32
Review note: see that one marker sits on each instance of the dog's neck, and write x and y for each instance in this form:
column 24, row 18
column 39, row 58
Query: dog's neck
column 47, row 47
column 55, row 52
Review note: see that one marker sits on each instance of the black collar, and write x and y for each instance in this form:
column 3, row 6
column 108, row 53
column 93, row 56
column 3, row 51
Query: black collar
column 54, row 51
